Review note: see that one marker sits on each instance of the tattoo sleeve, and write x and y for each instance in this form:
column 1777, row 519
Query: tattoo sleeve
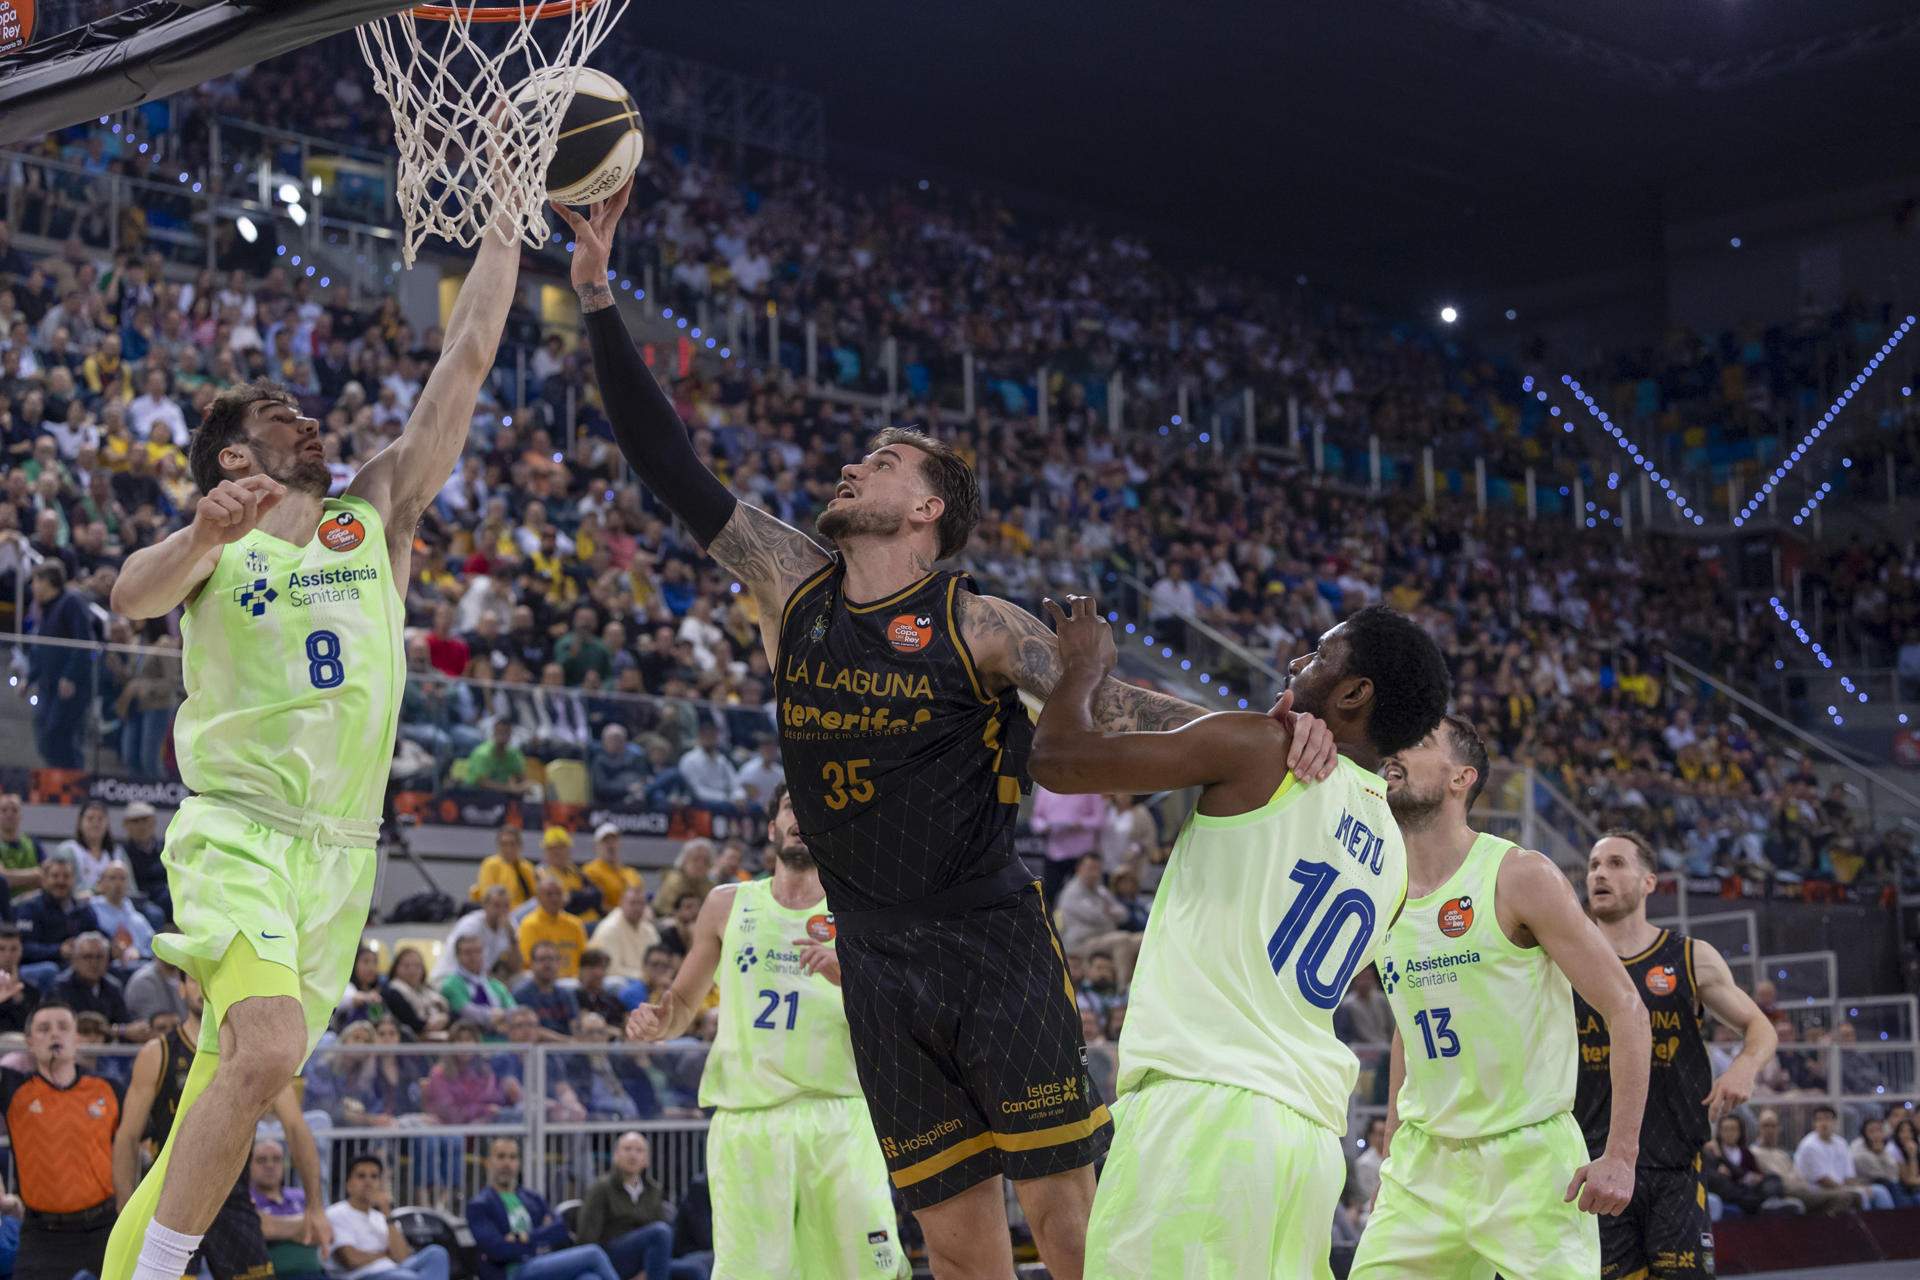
column 767, row 554
column 594, row 296
column 1013, row 644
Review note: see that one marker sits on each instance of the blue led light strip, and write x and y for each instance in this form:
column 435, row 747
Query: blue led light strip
column 1626, row 446
column 1825, row 660
column 1819, row 428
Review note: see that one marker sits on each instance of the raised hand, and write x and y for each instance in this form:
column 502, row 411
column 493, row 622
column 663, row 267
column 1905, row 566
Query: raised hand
column 234, row 508
column 1312, row 756
column 593, row 234
column 1083, row 635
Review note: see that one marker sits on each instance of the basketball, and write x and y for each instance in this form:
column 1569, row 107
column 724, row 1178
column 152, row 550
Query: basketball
column 600, row 141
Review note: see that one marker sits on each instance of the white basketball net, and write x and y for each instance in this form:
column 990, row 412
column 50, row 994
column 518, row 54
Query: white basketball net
column 465, row 157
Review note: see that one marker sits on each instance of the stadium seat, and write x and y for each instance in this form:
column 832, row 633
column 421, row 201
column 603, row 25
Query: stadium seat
column 568, row 1211
column 567, row 782
column 424, row 1225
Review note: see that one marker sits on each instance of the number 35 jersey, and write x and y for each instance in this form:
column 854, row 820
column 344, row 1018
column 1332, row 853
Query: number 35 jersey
column 1486, row 1025
column 1260, row 923
column 294, row 671
column 905, row 773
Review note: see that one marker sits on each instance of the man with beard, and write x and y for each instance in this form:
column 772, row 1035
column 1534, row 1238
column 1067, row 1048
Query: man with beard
column 1480, row 1127
column 294, row 669
column 1664, row 1233
column 898, row 697
column 799, row 1185
column 1275, row 895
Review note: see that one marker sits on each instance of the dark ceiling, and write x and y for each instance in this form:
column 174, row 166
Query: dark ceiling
column 1401, row 148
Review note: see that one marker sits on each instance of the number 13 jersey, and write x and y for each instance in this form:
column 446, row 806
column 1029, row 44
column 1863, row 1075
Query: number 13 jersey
column 1260, row 923
column 294, row 671
column 1486, row 1025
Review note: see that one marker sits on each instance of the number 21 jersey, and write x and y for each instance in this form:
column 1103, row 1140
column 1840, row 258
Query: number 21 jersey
column 1260, row 923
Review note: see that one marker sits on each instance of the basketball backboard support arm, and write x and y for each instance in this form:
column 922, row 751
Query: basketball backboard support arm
column 155, row 49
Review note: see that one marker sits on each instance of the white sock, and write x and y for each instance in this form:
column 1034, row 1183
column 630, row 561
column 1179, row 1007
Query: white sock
column 165, row 1254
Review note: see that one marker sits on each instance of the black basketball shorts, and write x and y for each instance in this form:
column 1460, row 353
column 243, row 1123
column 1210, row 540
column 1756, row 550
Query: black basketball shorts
column 235, row 1248
column 967, row 1039
column 1664, row 1234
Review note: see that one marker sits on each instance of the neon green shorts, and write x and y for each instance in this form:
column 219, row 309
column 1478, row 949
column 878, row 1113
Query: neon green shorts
column 1465, row 1210
column 800, row 1192
column 1209, row 1180
column 299, row 903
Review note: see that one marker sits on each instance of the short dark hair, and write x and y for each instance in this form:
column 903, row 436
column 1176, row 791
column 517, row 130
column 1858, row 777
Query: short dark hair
column 1410, row 681
column 366, row 1157
column 8, row 929
column 48, row 1004
column 1648, row 858
column 594, row 958
column 773, row 805
column 952, row 480
column 1822, row 1110
column 1470, row 749
column 667, row 951
column 53, row 572
column 224, row 422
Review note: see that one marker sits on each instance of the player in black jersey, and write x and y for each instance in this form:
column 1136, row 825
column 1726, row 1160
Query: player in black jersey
column 235, row 1247
column 898, row 697
column 1664, row 1233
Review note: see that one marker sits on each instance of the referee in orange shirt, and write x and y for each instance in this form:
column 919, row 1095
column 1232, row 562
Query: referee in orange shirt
column 61, row 1122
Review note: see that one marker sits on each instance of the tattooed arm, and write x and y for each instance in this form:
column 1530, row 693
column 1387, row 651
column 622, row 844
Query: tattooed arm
column 772, row 558
column 1011, row 646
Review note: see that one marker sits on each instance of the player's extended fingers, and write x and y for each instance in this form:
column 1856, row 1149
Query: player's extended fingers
column 1054, row 615
column 609, row 211
column 1084, row 607
column 568, row 216
column 1283, row 707
column 1573, row 1188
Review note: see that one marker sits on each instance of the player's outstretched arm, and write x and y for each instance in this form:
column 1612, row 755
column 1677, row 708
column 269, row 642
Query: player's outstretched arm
column 156, row 579
column 1542, row 904
column 676, row 1008
column 1713, row 983
column 1233, row 750
column 403, row 478
column 769, row 557
column 135, row 1108
column 305, row 1154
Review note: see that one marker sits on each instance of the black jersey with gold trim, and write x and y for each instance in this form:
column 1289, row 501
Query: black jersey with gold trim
column 1674, row 1127
column 906, row 773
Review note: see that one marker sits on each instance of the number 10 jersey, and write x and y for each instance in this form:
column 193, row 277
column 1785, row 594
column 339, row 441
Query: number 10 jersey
column 294, row 669
column 1261, row 922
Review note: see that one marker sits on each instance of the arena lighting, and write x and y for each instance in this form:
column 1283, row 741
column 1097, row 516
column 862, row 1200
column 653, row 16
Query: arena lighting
column 1448, row 315
column 298, row 214
column 1512, row 314
column 1819, row 496
column 1631, row 449
column 244, row 225
column 1826, row 661
column 1799, row 451
column 290, row 193
column 315, row 184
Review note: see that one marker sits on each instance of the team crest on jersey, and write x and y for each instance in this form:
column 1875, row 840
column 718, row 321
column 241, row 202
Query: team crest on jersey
column 820, row 928
column 342, row 532
column 882, row 1246
column 1456, row 916
column 910, row 633
column 818, row 631
column 256, row 561
column 255, row 596
column 1661, row 980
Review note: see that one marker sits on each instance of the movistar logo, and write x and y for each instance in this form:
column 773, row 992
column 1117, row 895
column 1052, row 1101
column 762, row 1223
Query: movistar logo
column 255, row 597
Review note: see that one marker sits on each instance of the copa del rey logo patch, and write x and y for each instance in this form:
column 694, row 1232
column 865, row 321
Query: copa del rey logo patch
column 910, row 633
column 820, row 928
column 342, row 532
column 1661, row 980
column 1456, row 916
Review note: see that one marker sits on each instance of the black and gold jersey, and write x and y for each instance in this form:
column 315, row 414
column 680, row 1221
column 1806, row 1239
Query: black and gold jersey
column 1674, row 1127
column 906, row 773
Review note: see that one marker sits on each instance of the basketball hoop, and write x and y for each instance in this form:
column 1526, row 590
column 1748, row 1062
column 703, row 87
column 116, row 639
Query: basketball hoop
column 477, row 94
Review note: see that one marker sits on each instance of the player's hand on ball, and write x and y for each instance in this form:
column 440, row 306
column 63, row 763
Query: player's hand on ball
column 646, row 1023
column 593, row 235
column 231, row 511
column 1312, row 755
column 1604, row 1186
column 1083, row 635
column 815, row 958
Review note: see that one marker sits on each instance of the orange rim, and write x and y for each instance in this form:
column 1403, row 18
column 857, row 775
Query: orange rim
column 499, row 12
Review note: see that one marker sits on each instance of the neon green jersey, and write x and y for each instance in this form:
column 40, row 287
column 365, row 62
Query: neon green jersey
column 1259, row 925
column 783, row 1031
column 294, row 669
column 1486, row 1026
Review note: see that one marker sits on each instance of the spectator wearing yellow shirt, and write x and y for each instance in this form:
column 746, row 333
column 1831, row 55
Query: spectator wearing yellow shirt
column 605, row 870
column 506, row 868
column 106, row 373
column 556, row 859
column 160, row 446
column 550, row 921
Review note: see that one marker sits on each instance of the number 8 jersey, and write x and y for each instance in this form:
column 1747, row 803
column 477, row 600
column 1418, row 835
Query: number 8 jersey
column 1486, row 1025
column 1260, row 923
column 294, row 669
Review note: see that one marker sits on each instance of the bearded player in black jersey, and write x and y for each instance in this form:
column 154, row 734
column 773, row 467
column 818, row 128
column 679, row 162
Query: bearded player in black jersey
column 898, row 694
column 1664, row 1233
